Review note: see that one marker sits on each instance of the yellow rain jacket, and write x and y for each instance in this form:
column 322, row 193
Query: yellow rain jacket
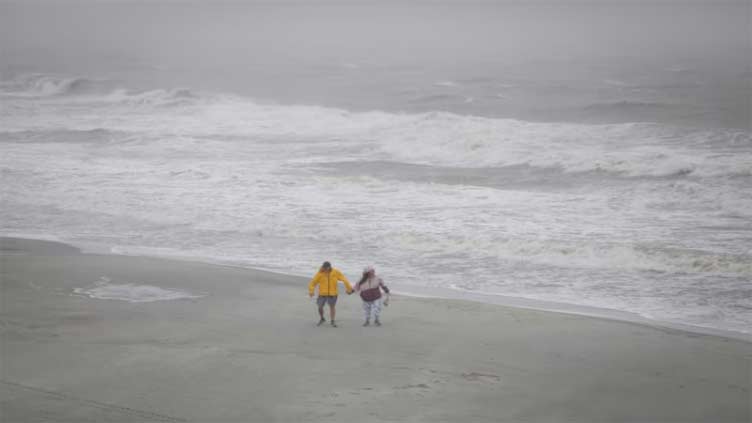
column 327, row 283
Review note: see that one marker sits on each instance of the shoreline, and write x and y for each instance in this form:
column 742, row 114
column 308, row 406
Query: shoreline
column 442, row 294
column 248, row 349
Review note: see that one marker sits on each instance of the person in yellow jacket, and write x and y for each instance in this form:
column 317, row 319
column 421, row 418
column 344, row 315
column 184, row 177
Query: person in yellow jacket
column 327, row 279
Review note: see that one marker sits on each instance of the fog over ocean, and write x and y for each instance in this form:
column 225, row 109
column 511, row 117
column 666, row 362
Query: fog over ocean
column 591, row 153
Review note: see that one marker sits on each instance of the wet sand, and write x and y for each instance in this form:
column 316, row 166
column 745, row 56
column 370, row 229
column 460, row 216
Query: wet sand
column 248, row 350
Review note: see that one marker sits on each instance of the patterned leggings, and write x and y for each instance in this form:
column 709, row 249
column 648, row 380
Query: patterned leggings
column 372, row 306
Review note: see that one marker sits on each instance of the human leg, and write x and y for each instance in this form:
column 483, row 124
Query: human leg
column 320, row 301
column 377, row 312
column 332, row 308
column 367, row 311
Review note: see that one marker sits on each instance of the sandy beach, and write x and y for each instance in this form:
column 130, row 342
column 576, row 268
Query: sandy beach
column 245, row 348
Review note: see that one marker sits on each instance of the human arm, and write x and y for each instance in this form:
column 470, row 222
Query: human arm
column 344, row 280
column 386, row 290
column 312, row 284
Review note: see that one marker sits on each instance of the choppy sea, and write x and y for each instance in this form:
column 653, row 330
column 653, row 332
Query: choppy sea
column 650, row 218
column 594, row 154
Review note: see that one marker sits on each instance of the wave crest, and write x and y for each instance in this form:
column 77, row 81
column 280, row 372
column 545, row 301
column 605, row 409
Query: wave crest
column 627, row 257
column 41, row 85
column 633, row 149
column 431, row 138
column 159, row 97
column 52, row 86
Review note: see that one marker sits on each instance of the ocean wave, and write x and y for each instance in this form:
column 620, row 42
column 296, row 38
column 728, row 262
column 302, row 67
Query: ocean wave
column 437, row 99
column 627, row 105
column 96, row 135
column 446, row 84
column 568, row 254
column 158, row 97
column 633, row 149
column 42, row 85
column 429, row 138
column 87, row 89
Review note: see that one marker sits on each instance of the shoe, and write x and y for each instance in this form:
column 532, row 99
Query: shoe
column 334, row 325
column 367, row 323
column 321, row 322
column 377, row 322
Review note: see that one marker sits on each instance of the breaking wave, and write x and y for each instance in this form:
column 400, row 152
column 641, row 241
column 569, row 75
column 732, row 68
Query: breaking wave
column 572, row 254
column 57, row 87
column 41, row 85
column 521, row 208
column 627, row 105
column 429, row 138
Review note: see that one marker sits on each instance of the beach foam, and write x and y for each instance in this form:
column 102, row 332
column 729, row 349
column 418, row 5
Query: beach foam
column 104, row 289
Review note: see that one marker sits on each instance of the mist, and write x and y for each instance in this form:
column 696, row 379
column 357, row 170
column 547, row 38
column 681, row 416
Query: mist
column 364, row 54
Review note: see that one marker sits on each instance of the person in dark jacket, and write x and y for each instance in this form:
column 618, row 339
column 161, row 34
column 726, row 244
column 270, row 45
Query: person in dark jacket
column 370, row 287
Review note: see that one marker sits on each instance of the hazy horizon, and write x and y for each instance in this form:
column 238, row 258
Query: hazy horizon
column 371, row 55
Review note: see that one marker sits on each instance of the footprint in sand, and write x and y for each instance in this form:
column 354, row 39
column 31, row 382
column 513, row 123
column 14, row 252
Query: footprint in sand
column 481, row 377
column 416, row 386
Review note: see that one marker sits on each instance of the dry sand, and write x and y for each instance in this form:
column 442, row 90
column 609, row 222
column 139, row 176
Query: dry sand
column 249, row 351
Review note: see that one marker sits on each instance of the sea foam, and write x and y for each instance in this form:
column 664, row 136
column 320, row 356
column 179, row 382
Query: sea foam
column 428, row 138
column 643, row 217
column 104, row 289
